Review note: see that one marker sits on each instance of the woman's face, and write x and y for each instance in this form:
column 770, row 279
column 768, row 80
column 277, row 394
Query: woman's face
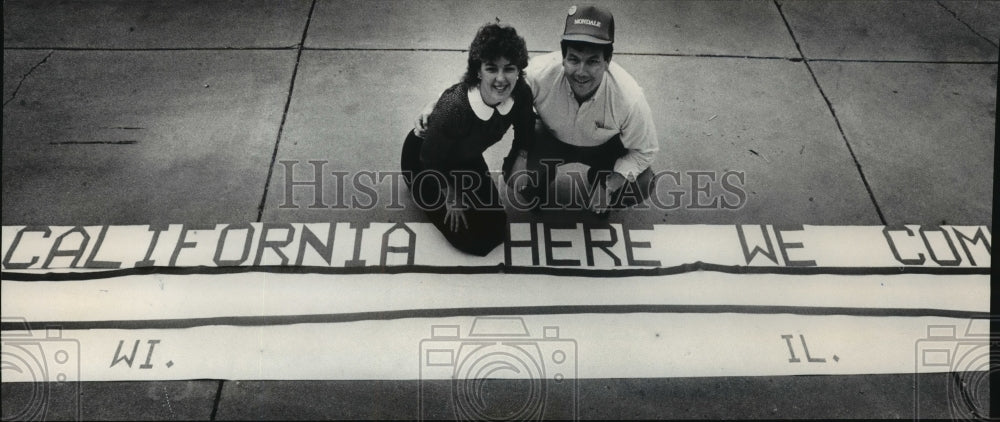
column 496, row 80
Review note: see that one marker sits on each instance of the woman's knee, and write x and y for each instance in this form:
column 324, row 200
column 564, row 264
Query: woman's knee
column 485, row 230
column 410, row 160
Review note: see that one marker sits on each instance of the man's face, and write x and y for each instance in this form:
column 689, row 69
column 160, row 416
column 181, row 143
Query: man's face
column 584, row 70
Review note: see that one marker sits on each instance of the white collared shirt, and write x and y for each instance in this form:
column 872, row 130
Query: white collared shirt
column 617, row 107
column 484, row 111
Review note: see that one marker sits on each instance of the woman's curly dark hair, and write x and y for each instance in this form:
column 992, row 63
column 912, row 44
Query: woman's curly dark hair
column 492, row 42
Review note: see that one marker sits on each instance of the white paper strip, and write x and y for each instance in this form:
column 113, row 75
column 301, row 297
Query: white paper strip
column 568, row 346
column 159, row 296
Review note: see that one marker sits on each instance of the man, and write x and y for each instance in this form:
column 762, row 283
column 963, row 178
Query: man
column 590, row 111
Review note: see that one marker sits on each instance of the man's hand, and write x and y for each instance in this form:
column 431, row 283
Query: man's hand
column 420, row 126
column 602, row 203
column 519, row 177
column 614, row 182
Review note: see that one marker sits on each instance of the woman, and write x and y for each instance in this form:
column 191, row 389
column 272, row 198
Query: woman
column 446, row 172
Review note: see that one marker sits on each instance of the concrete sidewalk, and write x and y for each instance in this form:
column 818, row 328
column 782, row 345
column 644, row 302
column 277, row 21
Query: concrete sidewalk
column 155, row 112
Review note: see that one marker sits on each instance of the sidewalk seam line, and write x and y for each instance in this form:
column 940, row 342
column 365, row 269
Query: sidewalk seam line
column 457, row 50
column 829, row 106
column 284, row 114
column 955, row 15
column 153, row 48
column 617, row 53
column 215, row 403
column 13, row 95
column 904, row 61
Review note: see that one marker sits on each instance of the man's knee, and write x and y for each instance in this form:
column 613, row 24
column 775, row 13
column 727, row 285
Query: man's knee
column 646, row 182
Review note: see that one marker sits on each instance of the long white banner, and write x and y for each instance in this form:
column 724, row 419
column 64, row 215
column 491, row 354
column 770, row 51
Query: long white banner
column 571, row 245
column 393, row 301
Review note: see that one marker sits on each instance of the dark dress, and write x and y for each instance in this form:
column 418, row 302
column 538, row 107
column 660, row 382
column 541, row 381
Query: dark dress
column 452, row 154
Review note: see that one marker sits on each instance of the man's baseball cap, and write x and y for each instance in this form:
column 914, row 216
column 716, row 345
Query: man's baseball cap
column 590, row 24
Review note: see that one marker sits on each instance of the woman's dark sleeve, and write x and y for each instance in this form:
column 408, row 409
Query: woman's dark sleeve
column 524, row 125
column 444, row 127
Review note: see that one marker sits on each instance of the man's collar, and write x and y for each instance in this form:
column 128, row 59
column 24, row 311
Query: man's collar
column 483, row 111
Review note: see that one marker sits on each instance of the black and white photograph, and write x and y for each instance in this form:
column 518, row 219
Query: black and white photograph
column 497, row 210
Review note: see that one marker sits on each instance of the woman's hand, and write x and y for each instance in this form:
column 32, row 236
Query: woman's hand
column 455, row 216
column 420, row 126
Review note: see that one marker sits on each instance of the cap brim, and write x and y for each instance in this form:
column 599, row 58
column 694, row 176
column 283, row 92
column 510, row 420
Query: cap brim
column 585, row 38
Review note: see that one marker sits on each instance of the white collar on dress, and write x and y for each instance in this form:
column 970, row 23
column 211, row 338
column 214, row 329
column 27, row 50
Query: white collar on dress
column 483, row 111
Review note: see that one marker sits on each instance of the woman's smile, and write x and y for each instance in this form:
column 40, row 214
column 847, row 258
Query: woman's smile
column 497, row 78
